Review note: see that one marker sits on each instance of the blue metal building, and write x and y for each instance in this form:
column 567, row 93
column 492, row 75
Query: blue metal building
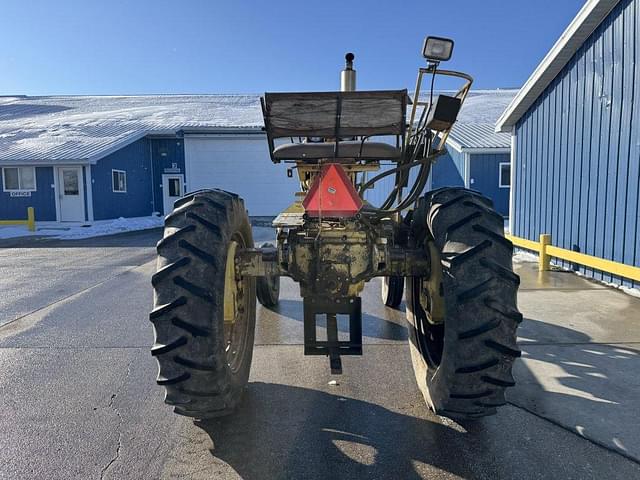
column 477, row 158
column 575, row 129
column 86, row 158
column 83, row 159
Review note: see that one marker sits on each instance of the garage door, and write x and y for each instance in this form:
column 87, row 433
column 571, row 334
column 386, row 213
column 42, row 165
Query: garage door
column 239, row 164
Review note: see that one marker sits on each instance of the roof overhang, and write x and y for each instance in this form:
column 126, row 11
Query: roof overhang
column 218, row 130
column 580, row 28
column 52, row 163
column 487, row 150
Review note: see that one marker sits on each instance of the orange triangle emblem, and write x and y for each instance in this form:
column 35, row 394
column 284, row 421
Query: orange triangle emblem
column 332, row 194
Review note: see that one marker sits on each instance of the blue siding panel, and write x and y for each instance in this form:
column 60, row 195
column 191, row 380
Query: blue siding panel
column 137, row 201
column 485, row 177
column 627, row 88
column 448, row 171
column 550, row 148
column 558, row 204
column 577, row 171
column 572, row 166
column 43, row 200
column 578, row 153
column 632, row 208
column 377, row 195
column 615, row 103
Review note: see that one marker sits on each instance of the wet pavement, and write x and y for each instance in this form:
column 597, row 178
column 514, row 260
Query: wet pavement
column 78, row 397
column 581, row 357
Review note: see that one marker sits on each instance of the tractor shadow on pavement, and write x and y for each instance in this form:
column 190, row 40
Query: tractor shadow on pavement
column 590, row 388
column 285, row 431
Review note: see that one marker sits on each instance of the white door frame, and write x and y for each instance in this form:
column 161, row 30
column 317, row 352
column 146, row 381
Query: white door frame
column 58, row 187
column 166, row 176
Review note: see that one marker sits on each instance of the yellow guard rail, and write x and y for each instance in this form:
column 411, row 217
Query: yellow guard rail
column 30, row 222
column 545, row 251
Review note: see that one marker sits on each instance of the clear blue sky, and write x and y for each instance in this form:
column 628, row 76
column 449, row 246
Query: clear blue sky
column 220, row 46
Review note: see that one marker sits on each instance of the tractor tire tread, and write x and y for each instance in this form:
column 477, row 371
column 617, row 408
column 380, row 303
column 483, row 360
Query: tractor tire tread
column 480, row 292
column 187, row 317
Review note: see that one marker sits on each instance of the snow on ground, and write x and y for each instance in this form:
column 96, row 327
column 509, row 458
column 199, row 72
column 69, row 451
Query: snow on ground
column 74, row 232
column 634, row 292
column 521, row 256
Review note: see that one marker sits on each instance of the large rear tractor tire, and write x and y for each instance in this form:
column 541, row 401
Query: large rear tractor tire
column 463, row 315
column 204, row 313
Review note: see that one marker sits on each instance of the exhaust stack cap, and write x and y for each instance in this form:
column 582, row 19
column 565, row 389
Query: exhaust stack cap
column 348, row 75
column 349, row 60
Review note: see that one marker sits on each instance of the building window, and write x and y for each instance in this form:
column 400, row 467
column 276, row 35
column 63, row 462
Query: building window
column 70, row 181
column 119, row 181
column 19, row 179
column 505, row 175
column 174, row 187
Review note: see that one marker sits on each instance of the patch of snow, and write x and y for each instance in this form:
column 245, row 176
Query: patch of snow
column 74, row 232
column 521, row 256
column 634, row 292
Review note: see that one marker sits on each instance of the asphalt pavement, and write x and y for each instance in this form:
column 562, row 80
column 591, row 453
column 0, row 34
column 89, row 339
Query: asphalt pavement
column 78, row 397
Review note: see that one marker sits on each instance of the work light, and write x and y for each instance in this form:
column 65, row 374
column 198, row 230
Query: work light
column 436, row 49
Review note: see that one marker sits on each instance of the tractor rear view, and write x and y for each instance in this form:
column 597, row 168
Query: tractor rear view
column 445, row 248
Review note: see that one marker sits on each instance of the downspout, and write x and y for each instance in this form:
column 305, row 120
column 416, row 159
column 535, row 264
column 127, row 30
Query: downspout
column 512, row 180
column 153, row 180
column 89, row 192
column 467, row 170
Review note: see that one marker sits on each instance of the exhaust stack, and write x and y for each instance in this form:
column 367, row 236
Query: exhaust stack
column 348, row 75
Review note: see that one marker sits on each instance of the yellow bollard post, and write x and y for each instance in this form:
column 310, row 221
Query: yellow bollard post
column 544, row 260
column 31, row 219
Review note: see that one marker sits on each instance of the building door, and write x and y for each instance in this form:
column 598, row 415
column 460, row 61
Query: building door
column 239, row 164
column 71, row 194
column 172, row 190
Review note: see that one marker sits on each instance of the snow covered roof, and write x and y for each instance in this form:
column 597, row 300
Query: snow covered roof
column 581, row 27
column 485, row 106
column 476, row 120
column 81, row 129
column 74, row 129
column 478, row 136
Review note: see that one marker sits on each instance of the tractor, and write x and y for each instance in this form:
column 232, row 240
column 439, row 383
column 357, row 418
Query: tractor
column 443, row 251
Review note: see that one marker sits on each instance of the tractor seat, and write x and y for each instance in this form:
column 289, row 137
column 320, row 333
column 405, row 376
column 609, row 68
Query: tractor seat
column 350, row 149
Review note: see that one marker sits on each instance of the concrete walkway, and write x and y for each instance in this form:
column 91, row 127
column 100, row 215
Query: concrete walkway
column 581, row 357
